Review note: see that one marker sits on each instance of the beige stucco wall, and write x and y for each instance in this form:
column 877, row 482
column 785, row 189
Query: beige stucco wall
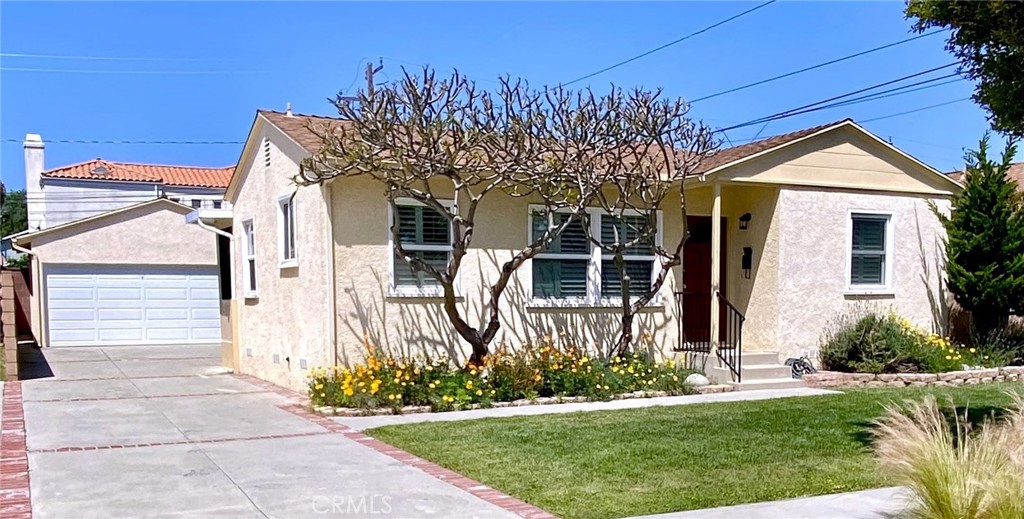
column 289, row 318
column 813, row 256
column 367, row 312
column 151, row 234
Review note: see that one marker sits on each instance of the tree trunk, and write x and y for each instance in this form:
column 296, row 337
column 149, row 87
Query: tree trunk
column 626, row 335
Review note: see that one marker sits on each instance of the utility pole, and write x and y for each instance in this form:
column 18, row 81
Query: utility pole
column 370, row 71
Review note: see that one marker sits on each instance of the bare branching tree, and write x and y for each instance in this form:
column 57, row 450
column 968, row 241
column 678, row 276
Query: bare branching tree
column 653, row 146
column 422, row 136
column 430, row 140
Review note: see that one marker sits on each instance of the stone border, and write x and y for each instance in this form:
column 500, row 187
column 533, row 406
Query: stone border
column 15, row 491
column 830, row 379
column 415, row 409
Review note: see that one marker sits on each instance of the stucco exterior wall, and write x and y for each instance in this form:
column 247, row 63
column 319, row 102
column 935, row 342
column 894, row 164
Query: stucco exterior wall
column 367, row 312
column 288, row 322
column 813, row 256
column 154, row 234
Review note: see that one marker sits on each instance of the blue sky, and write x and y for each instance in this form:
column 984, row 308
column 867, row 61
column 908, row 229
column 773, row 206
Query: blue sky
column 267, row 54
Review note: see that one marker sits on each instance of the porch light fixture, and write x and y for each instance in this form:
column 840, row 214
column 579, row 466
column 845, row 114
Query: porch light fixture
column 744, row 221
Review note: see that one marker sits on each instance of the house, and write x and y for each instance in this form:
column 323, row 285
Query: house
column 786, row 233
column 113, row 260
column 1015, row 173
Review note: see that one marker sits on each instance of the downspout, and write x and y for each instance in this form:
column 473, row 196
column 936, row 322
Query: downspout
column 207, row 227
column 332, row 303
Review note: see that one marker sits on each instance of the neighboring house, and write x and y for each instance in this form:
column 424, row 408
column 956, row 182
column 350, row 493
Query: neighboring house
column 812, row 224
column 1015, row 173
column 113, row 259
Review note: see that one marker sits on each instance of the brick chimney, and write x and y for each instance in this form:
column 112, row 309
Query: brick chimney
column 34, row 167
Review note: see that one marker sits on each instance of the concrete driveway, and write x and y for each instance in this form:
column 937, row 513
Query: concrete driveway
column 164, row 432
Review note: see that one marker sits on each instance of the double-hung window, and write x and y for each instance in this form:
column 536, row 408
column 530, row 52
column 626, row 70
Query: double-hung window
column 424, row 234
column 249, row 258
column 639, row 259
column 560, row 272
column 870, row 254
column 573, row 269
column 286, row 231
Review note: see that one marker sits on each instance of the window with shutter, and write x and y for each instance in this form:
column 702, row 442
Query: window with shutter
column 869, row 254
column 560, row 271
column 424, row 234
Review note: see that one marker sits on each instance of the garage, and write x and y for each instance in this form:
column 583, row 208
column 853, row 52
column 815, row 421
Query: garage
column 139, row 275
column 90, row 305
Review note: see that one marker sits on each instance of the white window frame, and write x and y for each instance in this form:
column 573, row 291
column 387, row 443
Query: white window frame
column 283, row 261
column 249, row 270
column 404, row 291
column 886, row 288
column 594, row 298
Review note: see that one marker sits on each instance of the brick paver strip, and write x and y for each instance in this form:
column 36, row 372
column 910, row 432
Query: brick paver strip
column 481, row 491
column 15, row 493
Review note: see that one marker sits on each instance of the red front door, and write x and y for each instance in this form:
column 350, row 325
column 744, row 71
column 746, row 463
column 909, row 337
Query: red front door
column 697, row 292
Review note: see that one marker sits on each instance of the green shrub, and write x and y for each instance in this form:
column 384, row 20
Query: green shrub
column 887, row 343
column 506, row 375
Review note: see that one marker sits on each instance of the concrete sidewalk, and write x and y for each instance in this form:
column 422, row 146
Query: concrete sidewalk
column 154, row 431
column 867, row 504
column 361, row 423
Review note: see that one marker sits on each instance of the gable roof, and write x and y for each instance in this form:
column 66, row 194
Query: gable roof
column 296, row 127
column 735, row 153
column 185, row 176
column 28, row 237
column 1015, row 173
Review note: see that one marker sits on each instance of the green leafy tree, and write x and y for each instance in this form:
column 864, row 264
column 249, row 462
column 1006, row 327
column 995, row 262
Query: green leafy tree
column 13, row 213
column 985, row 241
column 988, row 37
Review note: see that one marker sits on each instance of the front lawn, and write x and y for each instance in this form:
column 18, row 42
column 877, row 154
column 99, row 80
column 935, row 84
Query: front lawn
column 664, row 459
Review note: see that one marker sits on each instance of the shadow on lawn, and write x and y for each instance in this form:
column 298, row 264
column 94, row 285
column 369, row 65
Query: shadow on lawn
column 975, row 416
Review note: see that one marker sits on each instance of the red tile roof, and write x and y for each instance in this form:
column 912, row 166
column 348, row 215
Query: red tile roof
column 187, row 176
column 1016, row 174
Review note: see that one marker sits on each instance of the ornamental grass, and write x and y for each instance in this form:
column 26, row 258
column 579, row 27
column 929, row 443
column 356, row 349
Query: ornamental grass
column 953, row 471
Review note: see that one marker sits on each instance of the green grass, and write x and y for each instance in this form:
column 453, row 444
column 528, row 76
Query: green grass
column 664, row 459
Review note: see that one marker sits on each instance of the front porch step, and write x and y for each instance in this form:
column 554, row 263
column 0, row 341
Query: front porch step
column 773, row 383
column 760, row 357
column 752, row 372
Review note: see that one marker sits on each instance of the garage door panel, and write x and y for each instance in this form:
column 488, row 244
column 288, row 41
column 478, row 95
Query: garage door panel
column 118, row 294
column 91, row 304
column 167, row 314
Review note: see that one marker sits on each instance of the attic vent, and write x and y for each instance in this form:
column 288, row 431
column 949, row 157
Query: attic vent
column 100, row 171
column 266, row 152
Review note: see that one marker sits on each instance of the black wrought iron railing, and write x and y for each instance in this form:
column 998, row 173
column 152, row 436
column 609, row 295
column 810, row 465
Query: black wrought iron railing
column 695, row 328
column 730, row 340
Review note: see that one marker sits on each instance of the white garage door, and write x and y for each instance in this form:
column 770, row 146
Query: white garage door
column 91, row 305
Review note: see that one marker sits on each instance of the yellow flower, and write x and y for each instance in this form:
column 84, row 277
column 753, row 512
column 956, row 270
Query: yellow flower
column 469, row 384
column 949, row 357
column 973, row 350
column 479, row 392
column 318, row 387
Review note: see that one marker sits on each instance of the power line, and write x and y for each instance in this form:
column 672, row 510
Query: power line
column 916, row 110
column 85, row 141
column 669, row 44
column 817, row 105
column 92, row 58
column 135, row 72
column 813, row 67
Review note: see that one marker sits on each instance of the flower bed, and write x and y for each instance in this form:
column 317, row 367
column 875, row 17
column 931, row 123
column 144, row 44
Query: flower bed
column 407, row 385
column 830, row 379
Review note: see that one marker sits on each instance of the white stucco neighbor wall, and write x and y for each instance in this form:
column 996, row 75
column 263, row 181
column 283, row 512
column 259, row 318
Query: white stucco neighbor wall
column 813, row 256
column 287, row 322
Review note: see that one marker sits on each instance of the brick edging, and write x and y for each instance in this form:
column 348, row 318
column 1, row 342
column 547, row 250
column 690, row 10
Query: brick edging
column 475, row 488
column 15, row 492
column 828, row 379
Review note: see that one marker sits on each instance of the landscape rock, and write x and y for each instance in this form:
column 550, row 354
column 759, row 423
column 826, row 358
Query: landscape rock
column 697, row 380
